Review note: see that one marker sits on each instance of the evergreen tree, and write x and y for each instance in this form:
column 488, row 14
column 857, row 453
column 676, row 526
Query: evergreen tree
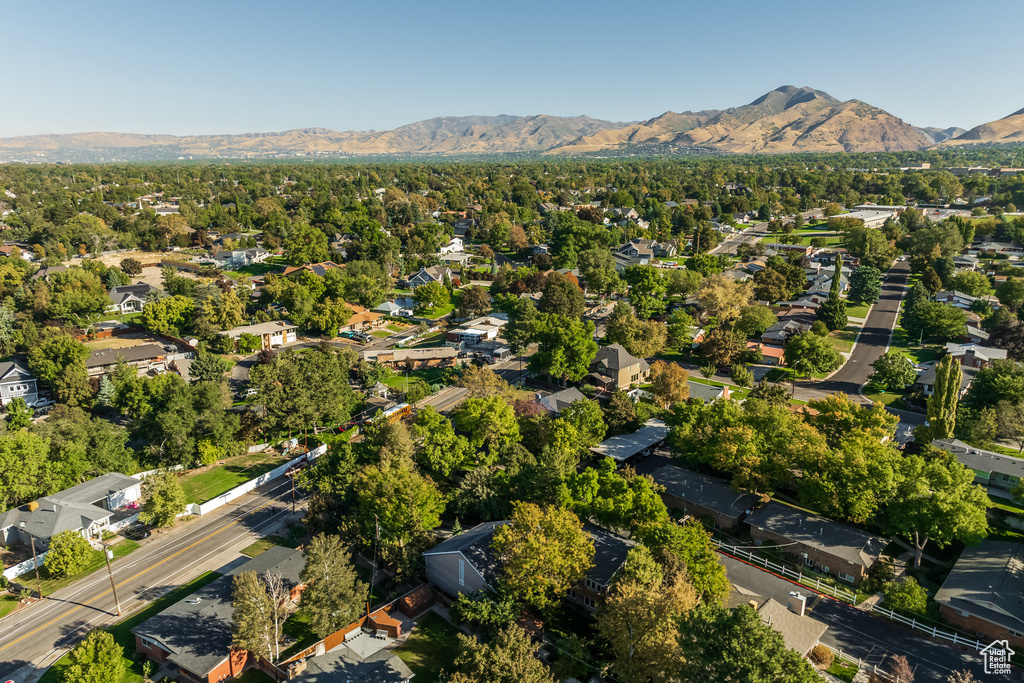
column 943, row 402
column 105, row 397
column 833, row 311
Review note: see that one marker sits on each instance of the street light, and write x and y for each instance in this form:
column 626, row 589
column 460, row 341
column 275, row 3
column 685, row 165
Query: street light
column 35, row 561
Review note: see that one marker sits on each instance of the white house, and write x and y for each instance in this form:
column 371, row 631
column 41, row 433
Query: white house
column 129, row 298
column 455, row 244
column 17, row 382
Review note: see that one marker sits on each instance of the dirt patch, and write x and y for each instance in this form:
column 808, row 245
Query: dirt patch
column 124, row 341
column 115, row 259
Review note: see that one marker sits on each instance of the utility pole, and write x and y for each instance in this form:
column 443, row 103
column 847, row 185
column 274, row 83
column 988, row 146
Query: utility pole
column 107, row 554
column 293, row 493
column 35, row 561
column 373, row 573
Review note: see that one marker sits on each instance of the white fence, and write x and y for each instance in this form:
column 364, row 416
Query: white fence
column 859, row 663
column 241, row 490
column 810, row 582
column 17, row 570
column 934, row 632
column 173, row 468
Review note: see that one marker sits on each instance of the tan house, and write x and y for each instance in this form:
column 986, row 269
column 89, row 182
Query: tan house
column 616, row 369
column 272, row 334
column 418, row 359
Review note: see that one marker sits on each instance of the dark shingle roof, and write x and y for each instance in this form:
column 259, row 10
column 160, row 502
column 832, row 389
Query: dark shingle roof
column 988, row 582
column 981, row 460
column 609, row 553
column 560, row 400
column 707, row 492
column 616, row 357
column 842, row 541
column 344, row 665
column 129, row 354
column 475, row 546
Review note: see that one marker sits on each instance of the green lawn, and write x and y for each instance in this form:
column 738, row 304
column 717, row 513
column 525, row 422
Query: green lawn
column 255, row 269
column 1006, row 505
column 842, row 670
column 123, row 636
column 889, row 398
column 435, row 339
column 7, row 605
column 254, row 676
column 784, row 374
column 96, row 561
column 263, row 545
column 297, row 627
column 857, row 311
column 919, row 354
column 432, row 646
column 381, row 334
column 206, row 484
column 435, row 313
column 842, row 340
column 395, row 328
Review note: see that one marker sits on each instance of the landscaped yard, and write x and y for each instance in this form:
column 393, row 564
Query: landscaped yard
column 122, row 548
column 432, row 645
column 842, row 340
column 202, row 485
column 7, row 605
column 381, row 334
column 255, row 269
column 857, row 311
column 842, row 670
column 918, row 354
column 123, row 635
column 889, row 398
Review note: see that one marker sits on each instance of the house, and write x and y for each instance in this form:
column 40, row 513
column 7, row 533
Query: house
column 984, row 592
column 315, row 268
column 427, row 275
column 635, row 252
column 966, row 262
column 392, row 309
column 925, row 382
column 992, row 470
column 129, row 298
column 418, row 359
column 459, row 258
column 272, row 334
column 539, row 249
column 361, row 318
column 463, row 226
column 455, row 244
column 147, row 358
column 476, row 331
column 787, row 327
column 822, row 544
column 799, row 631
column 624, row 446
column 88, row 508
column 872, row 219
column 770, row 355
column 960, row 300
column 616, row 369
column 194, row 634
column 346, row 663
column 974, row 355
column 707, row 392
column 704, row 497
column 789, row 248
column 17, row 382
column 560, row 400
column 466, row 563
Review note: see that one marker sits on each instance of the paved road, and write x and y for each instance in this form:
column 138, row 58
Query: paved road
column 873, row 339
column 863, row 635
column 33, row 637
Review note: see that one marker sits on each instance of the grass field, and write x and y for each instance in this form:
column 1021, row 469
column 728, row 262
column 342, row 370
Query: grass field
column 203, row 485
column 252, row 271
column 7, row 605
column 432, row 645
column 894, row 399
column 842, row 340
column 123, row 636
column 96, row 561
column 857, row 311
column 381, row 334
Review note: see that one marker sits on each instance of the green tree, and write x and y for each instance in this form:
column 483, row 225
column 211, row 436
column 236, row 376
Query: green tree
column 936, row 501
column 475, row 301
column 68, row 554
column 597, row 266
column 406, row 503
column 283, row 385
column 620, row 414
column 680, row 329
column 906, row 596
column 334, row 594
column 893, row 372
column 646, row 289
column 721, row 347
column 208, row 368
column 490, row 423
column 96, row 659
column 865, row 285
column 131, row 266
column 669, row 383
column 58, row 360
column 543, row 552
column 808, row 353
column 754, row 320
column 561, row 296
column 306, row 244
column 588, row 419
column 431, row 296
column 522, row 325
column 945, row 398
column 970, row 282
column 164, row 501
column 440, row 450
column 931, row 280
column 170, row 315
column 257, row 616
column 18, row 414
column 566, row 347
column 770, row 285
column 510, row 658
column 741, row 376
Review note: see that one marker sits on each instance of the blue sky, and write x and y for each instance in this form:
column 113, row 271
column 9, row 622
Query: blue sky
column 222, row 66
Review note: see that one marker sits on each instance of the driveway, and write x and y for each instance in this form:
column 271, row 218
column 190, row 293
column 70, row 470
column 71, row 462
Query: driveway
column 873, row 339
column 863, row 635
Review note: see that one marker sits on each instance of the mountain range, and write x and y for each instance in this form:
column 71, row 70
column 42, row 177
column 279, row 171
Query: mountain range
column 787, row 119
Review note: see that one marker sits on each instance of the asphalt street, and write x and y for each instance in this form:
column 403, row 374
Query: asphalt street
column 35, row 636
column 864, row 635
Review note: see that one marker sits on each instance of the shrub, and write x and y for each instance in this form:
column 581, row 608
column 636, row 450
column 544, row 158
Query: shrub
column 822, row 655
column 67, row 555
column 906, row 596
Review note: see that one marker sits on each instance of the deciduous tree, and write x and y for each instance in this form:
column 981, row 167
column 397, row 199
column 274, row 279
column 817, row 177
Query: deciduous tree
column 164, row 500
column 893, row 372
column 334, row 594
column 945, row 398
column 669, row 383
column 97, row 659
column 67, row 555
column 511, row 657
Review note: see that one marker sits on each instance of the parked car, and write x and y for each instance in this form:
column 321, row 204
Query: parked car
column 137, row 531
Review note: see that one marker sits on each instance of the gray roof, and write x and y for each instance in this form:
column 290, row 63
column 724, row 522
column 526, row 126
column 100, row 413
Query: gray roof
column 982, row 352
column 343, row 665
column 705, row 392
column 69, row 510
column 981, row 460
column 609, row 553
column 560, row 400
column 927, row 378
column 625, row 446
column 260, row 329
column 475, row 546
column 16, row 365
column 387, row 307
column 128, row 354
column 707, row 492
column 988, row 582
column 138, row 290
column 616, row 357
column 839, row 540
column 798, row 633
column 197, row 630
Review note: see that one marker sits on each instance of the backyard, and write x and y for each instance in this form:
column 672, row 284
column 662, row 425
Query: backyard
column 432, row 645
column 204, row 484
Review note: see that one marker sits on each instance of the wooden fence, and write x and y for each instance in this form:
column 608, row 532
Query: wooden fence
column 811, row 582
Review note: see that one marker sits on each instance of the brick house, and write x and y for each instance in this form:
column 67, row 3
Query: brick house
column 984, row 593
column 194, row 634
column 816, row 542
column 703, row 496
